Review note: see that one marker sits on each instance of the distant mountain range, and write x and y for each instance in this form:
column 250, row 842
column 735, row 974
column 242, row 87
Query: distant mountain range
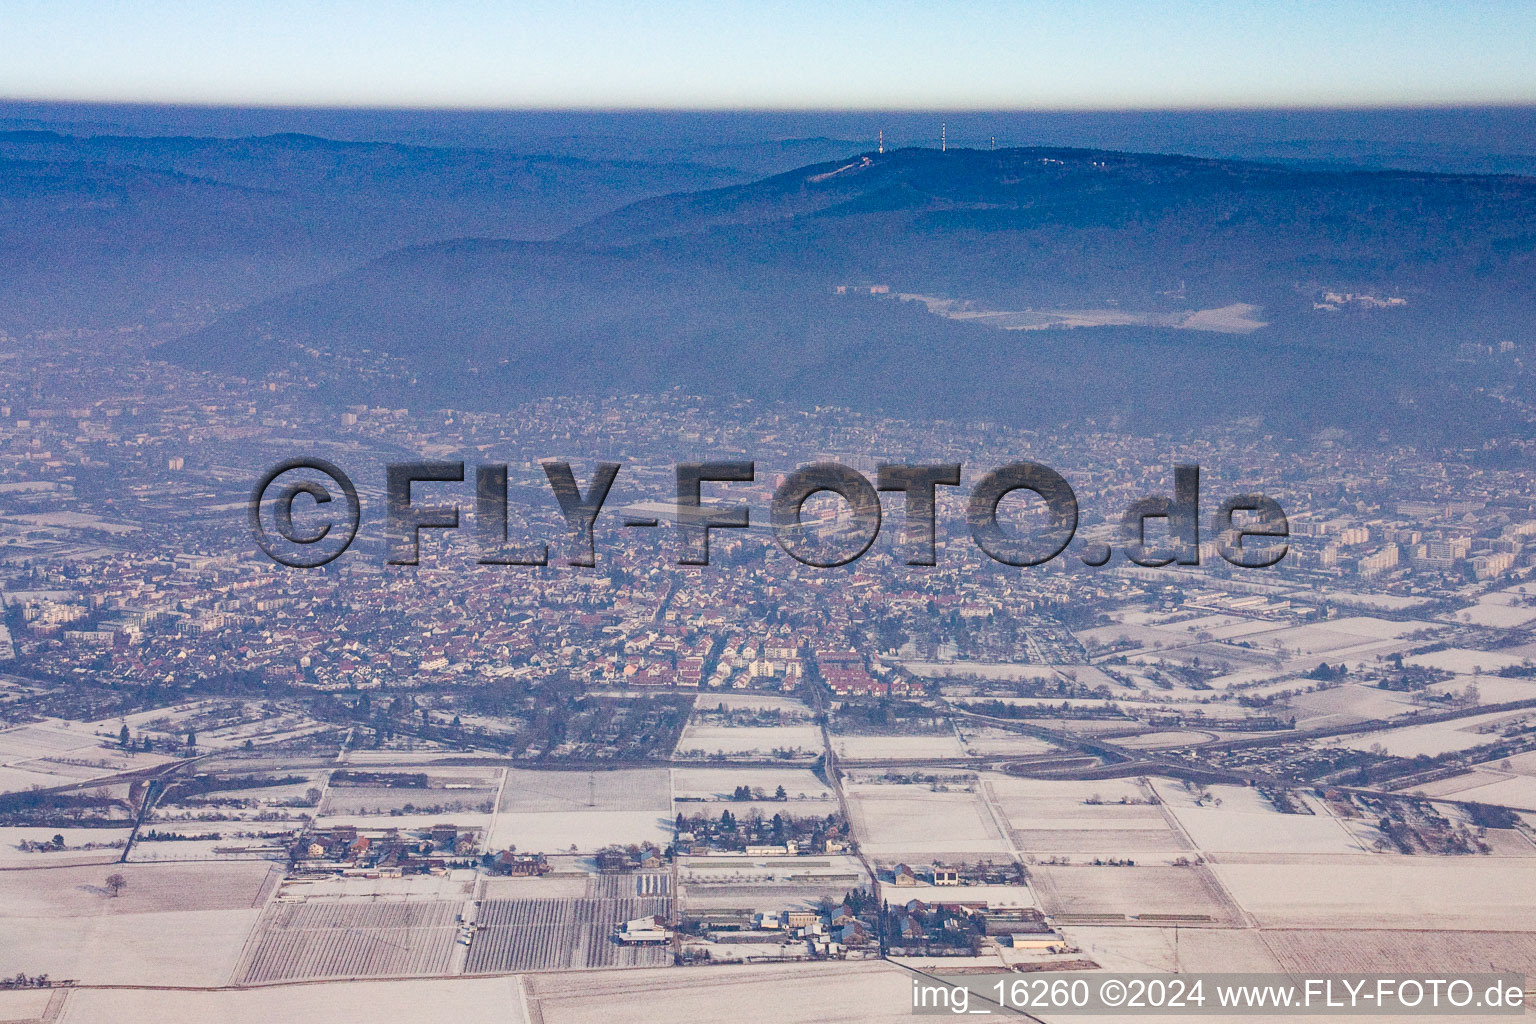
column 114, row 230
column 1366, row 283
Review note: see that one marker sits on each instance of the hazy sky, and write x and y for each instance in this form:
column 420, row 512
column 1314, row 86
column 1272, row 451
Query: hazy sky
column 942, row 54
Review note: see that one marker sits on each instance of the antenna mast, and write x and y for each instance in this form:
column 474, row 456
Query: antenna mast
column 943, row 137
column 882, row 141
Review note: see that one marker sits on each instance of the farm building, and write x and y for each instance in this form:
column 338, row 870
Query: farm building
column 645, row 931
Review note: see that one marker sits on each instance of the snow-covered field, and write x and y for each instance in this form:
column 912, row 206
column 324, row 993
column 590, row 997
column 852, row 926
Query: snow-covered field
column 376, row 799
column 1488, row 787
column 1486, row 893
column 625, row 789
column 1466, row 662
column 172, row 924
column 1349, row 702
column 719, row 783
column 988, row 740
column 55, row 752
column 1435, row 737
column 1139, row 949
column 738, row 741
column 1244, row 822
column 172, row 947
column 12, row 837
column 750, row 702
column 463, row 819
column 1051, row 818
column 462, row 1000
column 896, row 748
column 1502, row 609
column 587, row 831
column 912, row 823
column 1156, row 892
column 793, row 994
column 550, row 811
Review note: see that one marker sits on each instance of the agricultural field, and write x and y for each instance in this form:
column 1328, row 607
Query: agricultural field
column 228, row 846
column 873, row 993
column 1158, row 895
column 220, row 724
column 1435, row 738
column 193, row 947
column 1137, row 949
column 385, row 800
column 984, row 740
column 1085, row 726
column 454, row 885
column 1502, row 609
column 557, row 885
column 149, row 889
column 721, row 882
column 327, row 938
column 464, row 796
column 1139, row 635
column 461, row 1000
column 24, row 1006
column 1347, row 703
column 959, row 674
column 1510, row 782
column 914, row 823
column 992, row 895
column 1405, row 951
column 1111, row 818
column 553, row 811
column 1468, row 662
column 1472, row 893
column 1348, row 639
column 412, row 809
column 690, row 785
column 535, row 934
column 107, row 843
column 626, row 789
column 1490, row 689
column 711, row 790
column 427, row 759
column 1267, row 647
column 55, row 753
column 579, row 831
column 294, row 789
column 750, row 742
column 897, row 748
column 170, row 924
column 195, row 820
column 1238, row 819
column 469, row 820
column 748, row 701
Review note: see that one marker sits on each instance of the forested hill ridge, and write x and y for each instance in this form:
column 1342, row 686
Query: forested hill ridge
column 116, row 230
column 1357, row 291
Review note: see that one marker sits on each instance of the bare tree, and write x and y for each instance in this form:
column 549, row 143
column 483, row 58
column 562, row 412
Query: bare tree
column 116, row 883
